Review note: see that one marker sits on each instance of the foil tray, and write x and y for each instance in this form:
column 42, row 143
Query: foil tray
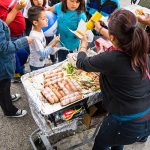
column 33, row 83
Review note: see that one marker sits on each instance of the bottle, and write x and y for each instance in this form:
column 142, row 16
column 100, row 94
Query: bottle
column 96, row 17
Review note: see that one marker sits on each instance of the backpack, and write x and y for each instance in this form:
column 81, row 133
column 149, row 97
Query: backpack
column 107, row 7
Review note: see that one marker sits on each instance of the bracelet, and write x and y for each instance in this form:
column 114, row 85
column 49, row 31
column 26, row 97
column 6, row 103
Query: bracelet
column 100, row 29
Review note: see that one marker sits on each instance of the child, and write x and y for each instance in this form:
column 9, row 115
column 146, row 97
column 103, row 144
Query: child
column 30, row 3
column 69, row 13
column 7, row 69
column 44, row 4
column 38, row 49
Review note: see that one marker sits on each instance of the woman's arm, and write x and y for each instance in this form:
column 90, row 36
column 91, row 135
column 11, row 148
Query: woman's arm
column 12, row 14
column 50, row 9
column 98, row 63
column 101, row 29
column 144, row 19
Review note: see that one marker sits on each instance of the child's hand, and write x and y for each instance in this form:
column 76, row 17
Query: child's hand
column 20, row 5
column 29, row 39
column 55, row 41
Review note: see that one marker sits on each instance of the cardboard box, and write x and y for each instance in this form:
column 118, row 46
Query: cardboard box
column 87, row 118
column 103, row 45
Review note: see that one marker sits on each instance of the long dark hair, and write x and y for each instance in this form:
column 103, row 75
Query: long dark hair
column 130, row 38
column 79, row 9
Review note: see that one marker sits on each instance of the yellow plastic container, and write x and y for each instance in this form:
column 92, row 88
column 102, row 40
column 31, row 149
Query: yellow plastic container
column 96, row 17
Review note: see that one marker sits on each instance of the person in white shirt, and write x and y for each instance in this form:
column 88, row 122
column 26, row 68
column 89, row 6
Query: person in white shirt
column 38, row 49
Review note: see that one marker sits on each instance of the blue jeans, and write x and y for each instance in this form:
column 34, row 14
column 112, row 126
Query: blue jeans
column 62, row 55
column 116, row 134
column 21, row 58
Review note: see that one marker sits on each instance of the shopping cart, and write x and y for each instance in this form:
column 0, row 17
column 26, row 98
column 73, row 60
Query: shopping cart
column 49, row 118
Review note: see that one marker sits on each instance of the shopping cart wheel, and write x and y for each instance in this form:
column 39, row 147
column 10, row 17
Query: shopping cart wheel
column 39, row 141
column 39, row 144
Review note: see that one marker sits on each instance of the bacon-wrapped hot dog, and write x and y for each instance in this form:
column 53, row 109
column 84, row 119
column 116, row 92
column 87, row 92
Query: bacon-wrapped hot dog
column 72, row 86
column 53, row 82
column 53, row 75
column 57, row 93
column 62, row 93
column 65, row 90
column 70, row 98
column 47, row 94
column 78, row 87
column 53, row 79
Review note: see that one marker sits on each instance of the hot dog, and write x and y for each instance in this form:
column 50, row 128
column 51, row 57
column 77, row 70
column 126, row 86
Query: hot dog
column 71, row 95
column 70, row 100
column 78, row 87
column 53, row 82
column 52, row 74
column 47, row 94
column 62, row 93
column 72, row 86
column 56, row 92
column 62, row 86
column 52, row 79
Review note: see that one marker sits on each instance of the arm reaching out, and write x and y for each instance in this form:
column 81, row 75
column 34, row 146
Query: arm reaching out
column 50, row 9
column 12, row 14
column 144, row 19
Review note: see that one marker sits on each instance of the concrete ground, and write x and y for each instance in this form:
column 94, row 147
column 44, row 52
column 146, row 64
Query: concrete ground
column 14, row 133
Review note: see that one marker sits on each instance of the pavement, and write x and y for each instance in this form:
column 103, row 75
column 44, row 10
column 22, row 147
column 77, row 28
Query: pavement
column 14, row 133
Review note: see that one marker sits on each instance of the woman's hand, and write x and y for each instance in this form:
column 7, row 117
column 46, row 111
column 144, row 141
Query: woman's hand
column 97, row 25
column 144, row 19
column 99, row 28
column 84, row 43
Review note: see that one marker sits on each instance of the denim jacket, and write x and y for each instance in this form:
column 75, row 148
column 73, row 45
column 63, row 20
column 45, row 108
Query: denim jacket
column 7, row 51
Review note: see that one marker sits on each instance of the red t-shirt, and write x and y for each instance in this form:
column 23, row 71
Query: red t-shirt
column 17, row 26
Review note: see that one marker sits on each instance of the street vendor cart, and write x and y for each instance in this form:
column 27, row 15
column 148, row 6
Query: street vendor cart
column 58, row 112
column 54, row 119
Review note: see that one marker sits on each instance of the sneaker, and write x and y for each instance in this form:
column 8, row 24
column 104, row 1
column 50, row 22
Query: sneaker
column 19, row 113
column 143, row 139
column 16, row 80
column 15, row 97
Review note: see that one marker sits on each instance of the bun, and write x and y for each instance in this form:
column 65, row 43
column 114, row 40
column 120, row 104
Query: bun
column 79, row 34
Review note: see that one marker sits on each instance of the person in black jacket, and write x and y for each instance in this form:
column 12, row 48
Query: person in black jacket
column 124, row 81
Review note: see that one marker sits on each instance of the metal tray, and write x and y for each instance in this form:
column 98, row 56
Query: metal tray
column 33, row 83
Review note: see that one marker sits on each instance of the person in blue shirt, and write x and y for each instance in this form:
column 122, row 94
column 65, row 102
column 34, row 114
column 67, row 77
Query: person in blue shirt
column 105, row 7
column 69, row 13
column 7, row 69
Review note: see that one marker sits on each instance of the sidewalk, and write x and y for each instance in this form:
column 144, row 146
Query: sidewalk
column 14, row 133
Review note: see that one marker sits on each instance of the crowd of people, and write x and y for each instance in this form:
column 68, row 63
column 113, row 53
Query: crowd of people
column 124, row 71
